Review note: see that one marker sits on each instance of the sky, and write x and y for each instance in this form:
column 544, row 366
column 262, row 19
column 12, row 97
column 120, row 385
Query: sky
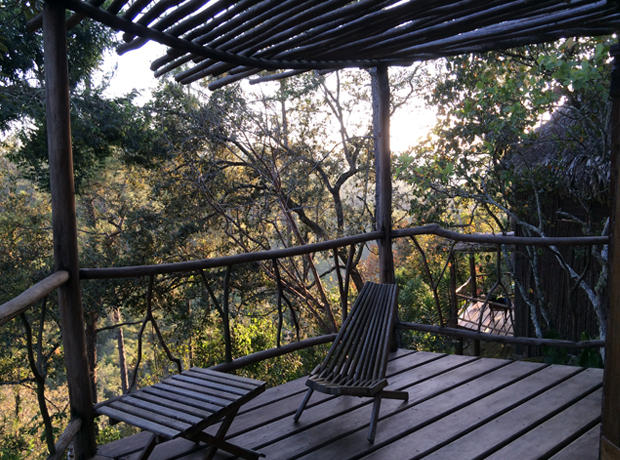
column 133, row 72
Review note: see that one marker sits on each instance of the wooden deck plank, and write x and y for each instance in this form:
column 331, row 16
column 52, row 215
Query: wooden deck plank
column 488, row 375
column 586, row 447
column 557, row 432
column 286, row 407
column 531, row 380
column 338, row 406
column 117, row 449
column 175, row 449
column 461, row 408
column 492, row 436
column 299, row 385
column 342, row 436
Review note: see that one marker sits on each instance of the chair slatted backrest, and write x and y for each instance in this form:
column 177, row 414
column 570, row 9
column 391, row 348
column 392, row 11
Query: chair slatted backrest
column 360, row 352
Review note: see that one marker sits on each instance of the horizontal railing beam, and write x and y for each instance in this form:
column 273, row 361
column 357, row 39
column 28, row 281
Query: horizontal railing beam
column 180, row 267
column 65, row 439
column 273, row 353
column 22, row 302
column 434, row 229
column 527, row 341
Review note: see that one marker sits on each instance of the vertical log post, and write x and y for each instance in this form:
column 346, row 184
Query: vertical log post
column 64, row 225
column 454, row 304
column 226, row 316
column 610, row 432
column 474, row 293
column 383, row 171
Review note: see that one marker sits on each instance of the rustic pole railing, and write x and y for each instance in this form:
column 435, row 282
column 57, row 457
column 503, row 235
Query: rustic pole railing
column 274, row 255
column 217, row 262
column 273, row 353
column 434, row 229
column 24, row 301
column 529, row 341
column 65, row 439
column 45, row 286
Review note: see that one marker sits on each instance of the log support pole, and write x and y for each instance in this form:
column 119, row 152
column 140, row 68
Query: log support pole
column 383, row 171
column 610, row 432
column 64, row 225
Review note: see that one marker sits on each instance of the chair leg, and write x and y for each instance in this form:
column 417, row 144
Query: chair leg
column 219, row 437
column 148, row 448
column 303, row 404
column 374, row 419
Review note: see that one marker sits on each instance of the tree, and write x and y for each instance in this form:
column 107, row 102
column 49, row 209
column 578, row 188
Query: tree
column 306, row 164
column 489, row 109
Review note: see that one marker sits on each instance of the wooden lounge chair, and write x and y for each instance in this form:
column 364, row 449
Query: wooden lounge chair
column 183, row 406
column 357, row 361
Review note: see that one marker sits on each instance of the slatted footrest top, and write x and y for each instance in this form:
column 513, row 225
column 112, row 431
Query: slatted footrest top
column 184, row 405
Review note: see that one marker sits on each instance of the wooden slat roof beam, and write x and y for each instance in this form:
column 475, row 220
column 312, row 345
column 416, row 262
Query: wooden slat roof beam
column 231, row 40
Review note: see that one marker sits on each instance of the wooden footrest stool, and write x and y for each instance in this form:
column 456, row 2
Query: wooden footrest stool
column 183, row 406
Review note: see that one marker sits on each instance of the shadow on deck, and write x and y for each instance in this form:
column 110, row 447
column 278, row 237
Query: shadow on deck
column 460, row 407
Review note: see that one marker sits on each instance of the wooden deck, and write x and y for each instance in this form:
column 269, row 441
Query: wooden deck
column 459, row 407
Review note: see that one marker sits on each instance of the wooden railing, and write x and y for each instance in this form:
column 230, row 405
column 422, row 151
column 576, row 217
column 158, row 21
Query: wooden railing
column 21, row 303
column 24, row 301
column 18, row 306
column 218, row 262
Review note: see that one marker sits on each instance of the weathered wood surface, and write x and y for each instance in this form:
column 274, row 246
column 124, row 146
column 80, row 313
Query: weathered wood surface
column 234, row 39
column 582, row 447
column 383, row 170
column 64, row 225
column 459, row 407
column 65, row 439
column 145, row 270
column 530, row 341
column 22, row 302
column 432, row 229
column 182, row 406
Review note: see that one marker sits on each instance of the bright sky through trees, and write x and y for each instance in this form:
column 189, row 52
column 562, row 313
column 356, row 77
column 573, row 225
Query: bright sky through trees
column 133, row 72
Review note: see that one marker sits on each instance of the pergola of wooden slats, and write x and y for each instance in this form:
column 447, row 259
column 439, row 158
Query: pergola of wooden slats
column 233, row 39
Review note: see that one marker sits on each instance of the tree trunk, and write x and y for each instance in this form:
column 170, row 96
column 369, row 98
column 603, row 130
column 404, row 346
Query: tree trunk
column 120, row 340
column 91, row 351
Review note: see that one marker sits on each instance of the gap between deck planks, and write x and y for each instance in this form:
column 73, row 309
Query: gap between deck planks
column 454, row 401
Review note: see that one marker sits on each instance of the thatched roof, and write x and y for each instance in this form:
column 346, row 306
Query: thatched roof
column 234, row 39
column 571, row 150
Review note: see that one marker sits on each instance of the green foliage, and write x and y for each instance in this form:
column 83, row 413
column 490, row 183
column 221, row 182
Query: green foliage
column 21, row 66
column 417, row 305
column 101, row 129
column 589, row 357
column 489, row 104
